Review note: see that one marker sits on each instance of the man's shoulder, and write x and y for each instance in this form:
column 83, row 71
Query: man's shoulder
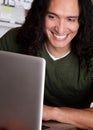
column 8, row 41
column 13, row 31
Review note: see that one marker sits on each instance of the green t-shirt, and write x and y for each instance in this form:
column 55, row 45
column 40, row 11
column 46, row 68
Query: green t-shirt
column 8, row 42
column 66, row 83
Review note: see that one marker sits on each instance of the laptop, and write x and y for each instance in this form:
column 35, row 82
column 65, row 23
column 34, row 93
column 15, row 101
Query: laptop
column 21, row 93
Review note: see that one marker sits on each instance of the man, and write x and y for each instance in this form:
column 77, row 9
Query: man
column 61, row 32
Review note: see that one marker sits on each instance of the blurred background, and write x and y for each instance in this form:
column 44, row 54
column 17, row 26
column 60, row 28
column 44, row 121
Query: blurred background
column 12, row 13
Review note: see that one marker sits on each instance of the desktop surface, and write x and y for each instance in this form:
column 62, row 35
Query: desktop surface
column 53, row 125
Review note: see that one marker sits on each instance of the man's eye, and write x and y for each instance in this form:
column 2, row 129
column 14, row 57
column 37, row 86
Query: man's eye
column 51, row 16
column 72, row 19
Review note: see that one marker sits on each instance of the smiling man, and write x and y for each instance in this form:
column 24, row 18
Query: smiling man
column 61, row 32
column 61, row 26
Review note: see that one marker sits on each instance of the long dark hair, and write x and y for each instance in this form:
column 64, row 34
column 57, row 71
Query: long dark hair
column 82, row 44
column 31, row 35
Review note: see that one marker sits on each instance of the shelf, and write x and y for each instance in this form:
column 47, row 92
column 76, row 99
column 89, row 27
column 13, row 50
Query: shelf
column 9, row 25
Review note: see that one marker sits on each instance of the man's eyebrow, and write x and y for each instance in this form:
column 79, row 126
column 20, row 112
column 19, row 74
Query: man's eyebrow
column 73, row 17
column 48, row 12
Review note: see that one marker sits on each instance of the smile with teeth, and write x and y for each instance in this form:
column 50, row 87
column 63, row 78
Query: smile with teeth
column 60, row 36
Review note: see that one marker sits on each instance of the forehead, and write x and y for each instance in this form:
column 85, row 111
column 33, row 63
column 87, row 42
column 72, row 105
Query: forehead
column 66, row 7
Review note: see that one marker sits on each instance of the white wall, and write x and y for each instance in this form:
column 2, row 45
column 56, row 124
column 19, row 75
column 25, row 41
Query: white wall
column 11, row 17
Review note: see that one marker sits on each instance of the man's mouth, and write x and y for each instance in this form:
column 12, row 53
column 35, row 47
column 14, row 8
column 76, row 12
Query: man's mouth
column 60, row 37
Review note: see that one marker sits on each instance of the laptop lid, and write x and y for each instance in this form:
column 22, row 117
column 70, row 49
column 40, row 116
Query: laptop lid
column 21, row 91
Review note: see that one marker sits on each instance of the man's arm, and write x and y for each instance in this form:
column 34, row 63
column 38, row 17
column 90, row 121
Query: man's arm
column 82, row 118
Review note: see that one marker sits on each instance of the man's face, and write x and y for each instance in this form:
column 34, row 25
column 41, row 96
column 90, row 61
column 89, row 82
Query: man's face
column 61, row 23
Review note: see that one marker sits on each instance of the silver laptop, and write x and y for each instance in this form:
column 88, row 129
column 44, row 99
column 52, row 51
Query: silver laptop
column 21, row 91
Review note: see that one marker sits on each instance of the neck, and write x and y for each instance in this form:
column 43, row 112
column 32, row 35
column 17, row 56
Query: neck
column 57, row 52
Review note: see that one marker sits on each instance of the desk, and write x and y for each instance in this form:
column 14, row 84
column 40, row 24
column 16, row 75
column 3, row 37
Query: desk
column 59, row 126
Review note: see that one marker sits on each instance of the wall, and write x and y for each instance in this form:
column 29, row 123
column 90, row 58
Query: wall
column 12, row 14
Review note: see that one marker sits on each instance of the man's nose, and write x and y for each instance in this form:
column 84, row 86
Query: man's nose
column 60, row 26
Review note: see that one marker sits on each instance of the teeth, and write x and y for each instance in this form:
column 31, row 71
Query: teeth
column 60, row 37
